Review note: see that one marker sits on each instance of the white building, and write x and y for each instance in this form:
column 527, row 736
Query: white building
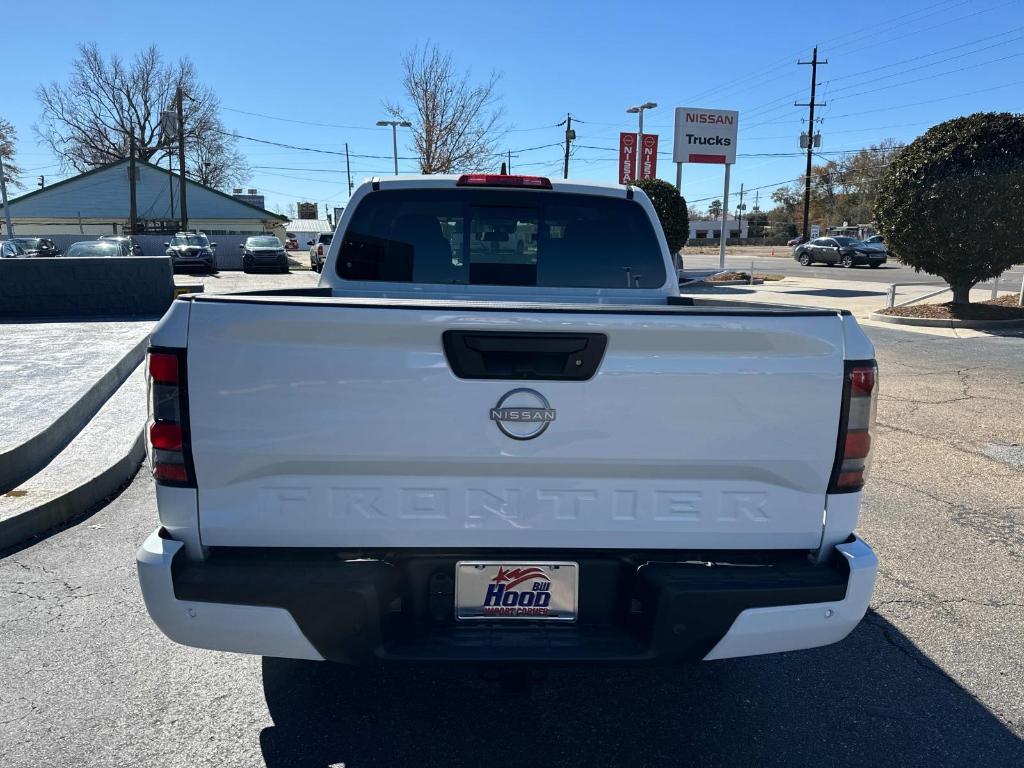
column 711, row 229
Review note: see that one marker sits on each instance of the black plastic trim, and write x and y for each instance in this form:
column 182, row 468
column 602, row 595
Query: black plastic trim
column 538, row 356
column 311, row 292
column 634, row 606
column 669, row 308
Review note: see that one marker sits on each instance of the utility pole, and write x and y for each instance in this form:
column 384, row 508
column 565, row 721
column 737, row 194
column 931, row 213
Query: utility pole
column 170, row 182
column 133, row 214
column 348, row 170
column 739, row 216
column 179, row 105
column 810, row 132
column 757, row 211
column 570, row 136
column 510, row 161
column 3, row 194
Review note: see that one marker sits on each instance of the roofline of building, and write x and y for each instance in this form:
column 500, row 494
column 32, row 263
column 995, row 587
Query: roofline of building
column 99, row 168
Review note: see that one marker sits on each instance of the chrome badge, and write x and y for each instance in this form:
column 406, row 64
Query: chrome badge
column 523, row 414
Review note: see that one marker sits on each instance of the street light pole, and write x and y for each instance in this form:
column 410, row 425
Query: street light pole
column 394, row 135
column 639, row 111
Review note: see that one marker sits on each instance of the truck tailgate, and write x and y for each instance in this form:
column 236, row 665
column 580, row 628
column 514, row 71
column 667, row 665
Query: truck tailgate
column 335, row 423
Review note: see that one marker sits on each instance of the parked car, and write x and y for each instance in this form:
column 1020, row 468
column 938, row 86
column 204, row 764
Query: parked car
column 11, row 249
column 318, row 250
column 291, row 242
column 795, row 241
column 38, row 247
column 438, row 455
column 845, row 251
column 191, row 250
column 94, row 248
column 263, row 252
column 129, row 245
column 878, row 240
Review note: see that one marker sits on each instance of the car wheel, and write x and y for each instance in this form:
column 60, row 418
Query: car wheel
column 805, row 259
column 847, row 261
column 875, row 265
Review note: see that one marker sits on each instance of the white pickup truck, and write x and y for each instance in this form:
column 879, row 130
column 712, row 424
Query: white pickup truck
column 497, row 433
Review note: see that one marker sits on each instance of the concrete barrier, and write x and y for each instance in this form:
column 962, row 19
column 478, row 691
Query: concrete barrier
column 76, row 500
column 63, row 287
column 24, row 460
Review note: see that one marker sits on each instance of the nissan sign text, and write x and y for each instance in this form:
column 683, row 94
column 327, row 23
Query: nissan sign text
column 705, row 136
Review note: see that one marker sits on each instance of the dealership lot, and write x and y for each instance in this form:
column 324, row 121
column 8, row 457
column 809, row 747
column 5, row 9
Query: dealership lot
column 931, row 677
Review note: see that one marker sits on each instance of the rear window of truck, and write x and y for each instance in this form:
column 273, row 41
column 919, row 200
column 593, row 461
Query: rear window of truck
column 501, row 237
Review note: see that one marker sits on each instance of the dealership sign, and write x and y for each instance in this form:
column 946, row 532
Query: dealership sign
column 649, row 157
column 648, row 152
column 705, row 136
column 627, row 157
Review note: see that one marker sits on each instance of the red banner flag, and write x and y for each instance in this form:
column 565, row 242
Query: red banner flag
column 627, row 157
column 649, row 156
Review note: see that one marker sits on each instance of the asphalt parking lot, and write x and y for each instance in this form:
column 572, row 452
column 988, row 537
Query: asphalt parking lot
column 933, row 676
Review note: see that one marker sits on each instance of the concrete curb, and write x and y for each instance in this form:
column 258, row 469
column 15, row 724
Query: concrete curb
column 16, row 529
column 23, row 461
column 757, row 281
column 932, row 322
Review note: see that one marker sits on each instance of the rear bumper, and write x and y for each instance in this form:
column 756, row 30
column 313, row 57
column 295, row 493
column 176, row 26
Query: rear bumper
column 632, row 607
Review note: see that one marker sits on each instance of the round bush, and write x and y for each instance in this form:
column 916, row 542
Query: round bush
column 671, row 208
column 950, row 203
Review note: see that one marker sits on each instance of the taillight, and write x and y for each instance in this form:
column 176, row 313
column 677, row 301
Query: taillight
column 319, row 250
column 499, row 180
column 860, row 390
column 170, row 451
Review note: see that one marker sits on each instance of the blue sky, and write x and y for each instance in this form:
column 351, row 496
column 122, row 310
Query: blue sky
column 894, row 69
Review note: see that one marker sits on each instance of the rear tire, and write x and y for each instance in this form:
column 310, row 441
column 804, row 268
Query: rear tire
column 847, row 261
column 876, row 265
column 805, row 259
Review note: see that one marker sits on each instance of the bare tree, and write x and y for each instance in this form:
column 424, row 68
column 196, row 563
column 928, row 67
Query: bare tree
column 8, row 135
column 456, row 123
column 88, row 120
column 214, row 160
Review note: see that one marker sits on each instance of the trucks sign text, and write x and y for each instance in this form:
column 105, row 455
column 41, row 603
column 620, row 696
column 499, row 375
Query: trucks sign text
column 705, row 136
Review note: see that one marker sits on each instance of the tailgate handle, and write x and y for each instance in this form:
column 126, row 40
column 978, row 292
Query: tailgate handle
column 516, row 356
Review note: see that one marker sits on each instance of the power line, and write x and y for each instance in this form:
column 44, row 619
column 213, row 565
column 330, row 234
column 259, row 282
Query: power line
column 930, row 12
column 932, row 76
column 934, row 53
column 301, row 122
column 929, row 101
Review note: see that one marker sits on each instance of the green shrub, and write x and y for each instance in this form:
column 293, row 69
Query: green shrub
column 671, row 208
column 951, row 203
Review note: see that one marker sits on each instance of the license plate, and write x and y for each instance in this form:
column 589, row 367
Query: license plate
column 491, row 589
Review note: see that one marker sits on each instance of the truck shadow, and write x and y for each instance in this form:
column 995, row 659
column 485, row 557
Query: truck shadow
column 873, row 699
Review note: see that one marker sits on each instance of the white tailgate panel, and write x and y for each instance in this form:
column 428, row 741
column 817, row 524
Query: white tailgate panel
column 340, row 426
